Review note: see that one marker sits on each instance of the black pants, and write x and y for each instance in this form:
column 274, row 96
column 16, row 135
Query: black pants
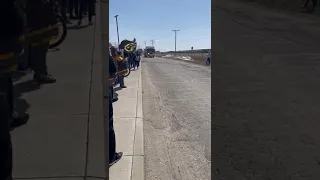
column 38, row 55
column 138, row 63
column 5, row 119
column 86, row 5
column 132, row 63
column 6, row 89
column 112, row 136
column 74, row 8
column 63, row 8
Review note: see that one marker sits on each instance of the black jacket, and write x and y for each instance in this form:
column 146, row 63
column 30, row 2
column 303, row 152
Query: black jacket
column 40, row 13
column 11, row 18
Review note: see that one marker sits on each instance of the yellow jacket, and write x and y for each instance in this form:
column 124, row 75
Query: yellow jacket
column 121, row 63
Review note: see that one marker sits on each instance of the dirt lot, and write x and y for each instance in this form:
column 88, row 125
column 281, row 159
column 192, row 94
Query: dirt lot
column 199, row 58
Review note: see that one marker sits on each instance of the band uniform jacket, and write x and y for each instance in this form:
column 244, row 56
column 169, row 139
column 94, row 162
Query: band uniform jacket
column 12, row 19
column 112, row 71
column 122, row 68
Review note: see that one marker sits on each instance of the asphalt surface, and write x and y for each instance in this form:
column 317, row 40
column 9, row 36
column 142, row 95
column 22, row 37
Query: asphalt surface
column 177, row 119
column 265, row 94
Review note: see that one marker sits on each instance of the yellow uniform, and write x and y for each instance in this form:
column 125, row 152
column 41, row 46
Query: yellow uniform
column 121, row 64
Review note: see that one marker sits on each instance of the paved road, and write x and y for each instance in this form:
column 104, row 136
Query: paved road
column 177, row 120
column 266, row 94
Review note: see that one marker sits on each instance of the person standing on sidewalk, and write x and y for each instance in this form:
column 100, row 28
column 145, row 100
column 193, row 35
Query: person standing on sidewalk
column 122, row 69
column 11, row 17
column 138, row 55
column 86, row 5
column 73, row 9
column 112, row 76
column 11, row 47
column 121, row 65
column 113, row 155
column 5, row 141
column 40, row 17
column 63, row 10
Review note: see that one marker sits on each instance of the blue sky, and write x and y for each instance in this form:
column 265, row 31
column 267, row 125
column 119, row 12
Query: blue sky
column 148, row 20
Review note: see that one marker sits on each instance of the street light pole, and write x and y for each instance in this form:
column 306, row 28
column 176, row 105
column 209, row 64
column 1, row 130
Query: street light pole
column 175, row 40
column 116, row 16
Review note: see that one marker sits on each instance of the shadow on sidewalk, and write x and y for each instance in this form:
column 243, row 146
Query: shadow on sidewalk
column 21, row 107
column 53, row 50
column 19, row 89
column 117, row 89
column 18, row 74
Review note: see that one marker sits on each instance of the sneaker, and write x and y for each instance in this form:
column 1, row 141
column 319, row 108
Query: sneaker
column 79, row 22
column 123, row 86
column 115, row 99
column 72, row 17
column 45, row 79
column 68, row 21
column 117, row 157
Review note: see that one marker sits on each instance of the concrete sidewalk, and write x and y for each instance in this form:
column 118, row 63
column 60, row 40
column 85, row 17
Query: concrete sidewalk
column 128, row 124
column 64, row 138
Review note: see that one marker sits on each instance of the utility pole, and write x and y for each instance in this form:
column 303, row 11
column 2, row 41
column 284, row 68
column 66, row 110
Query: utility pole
column 175, row 40
column 145, row 44
column 152, row 42
column 116, row 16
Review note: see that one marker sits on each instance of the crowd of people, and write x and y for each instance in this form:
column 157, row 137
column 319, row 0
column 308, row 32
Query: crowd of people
column 134, row 60
column 76, row 9
column 118, row 68
column 15, row 35
column 28, row 27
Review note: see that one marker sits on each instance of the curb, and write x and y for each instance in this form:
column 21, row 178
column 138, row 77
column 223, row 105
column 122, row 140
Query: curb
column 137, row 171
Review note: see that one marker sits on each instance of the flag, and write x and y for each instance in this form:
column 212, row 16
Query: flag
column 128, row 46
